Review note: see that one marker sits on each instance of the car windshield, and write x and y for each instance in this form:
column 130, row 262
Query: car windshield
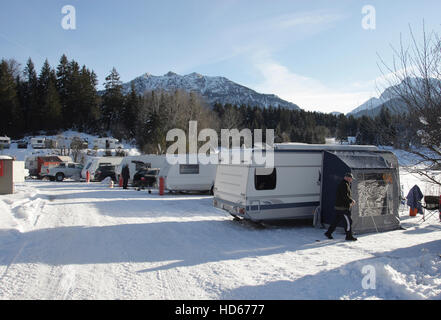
column 107, row 168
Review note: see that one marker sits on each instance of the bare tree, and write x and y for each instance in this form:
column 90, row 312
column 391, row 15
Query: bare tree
column 231, row 118
column 415, row 79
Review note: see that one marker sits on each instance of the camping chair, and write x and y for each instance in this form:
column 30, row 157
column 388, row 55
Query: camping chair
column 431, row 203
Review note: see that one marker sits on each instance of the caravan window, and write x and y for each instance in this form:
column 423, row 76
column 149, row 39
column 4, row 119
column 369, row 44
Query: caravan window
column 265, row 178
column 189, row 169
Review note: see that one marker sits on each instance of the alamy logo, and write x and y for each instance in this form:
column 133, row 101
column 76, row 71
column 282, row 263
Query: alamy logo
column 369, row 280
column 237, row 147
column 369, row 21
column 69, row 21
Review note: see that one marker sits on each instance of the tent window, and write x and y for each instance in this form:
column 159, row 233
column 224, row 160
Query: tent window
column 265, row 179
column 189, row 169
column 375, row 193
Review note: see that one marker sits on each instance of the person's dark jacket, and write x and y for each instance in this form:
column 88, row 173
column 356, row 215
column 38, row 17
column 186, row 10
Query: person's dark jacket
column 414, row 198
column 343, row 199
column 125, row 173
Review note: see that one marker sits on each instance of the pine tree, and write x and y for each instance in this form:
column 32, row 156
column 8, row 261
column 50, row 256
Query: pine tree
column 10, row 120
column 45, row 77
column 86, row 98
column 113, row 100
column 52, row 108
column 130, row 113
column 62, row 84
column 73, row 95
column 30, row 99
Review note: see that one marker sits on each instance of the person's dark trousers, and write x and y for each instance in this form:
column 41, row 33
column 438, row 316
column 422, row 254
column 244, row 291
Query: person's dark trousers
column 125, row 183
column 346, row 216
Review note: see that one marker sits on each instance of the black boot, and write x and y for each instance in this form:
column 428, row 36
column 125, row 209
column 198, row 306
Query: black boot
column 328, row 235
column 350, row 237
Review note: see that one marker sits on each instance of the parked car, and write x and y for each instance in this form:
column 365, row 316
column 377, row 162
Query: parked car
column 22, row 144
column 105, row 171
column 146, row 178
column 94, row 163
column 137, row 163
column 62, row 171
column 35, row 164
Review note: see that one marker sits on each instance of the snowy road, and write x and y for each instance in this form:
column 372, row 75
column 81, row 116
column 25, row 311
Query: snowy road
column 86, row 241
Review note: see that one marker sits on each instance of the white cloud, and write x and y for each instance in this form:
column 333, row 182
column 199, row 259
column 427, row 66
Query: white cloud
column 307, row 18
column 310, row 94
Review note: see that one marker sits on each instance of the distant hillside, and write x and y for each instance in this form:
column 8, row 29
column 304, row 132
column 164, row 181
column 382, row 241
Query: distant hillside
column 213, row 89
column 388, row 99
column 394, row 105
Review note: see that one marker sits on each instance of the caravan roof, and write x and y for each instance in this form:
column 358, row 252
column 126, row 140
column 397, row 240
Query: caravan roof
column 362, row 160
column 226, row 156
column 322, row 147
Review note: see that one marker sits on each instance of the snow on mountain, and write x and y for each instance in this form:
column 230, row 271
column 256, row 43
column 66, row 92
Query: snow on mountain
column 213, row 89
column 390, row 99
column 371, row 104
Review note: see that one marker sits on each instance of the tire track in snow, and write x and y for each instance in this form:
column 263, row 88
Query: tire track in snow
column 5, row 283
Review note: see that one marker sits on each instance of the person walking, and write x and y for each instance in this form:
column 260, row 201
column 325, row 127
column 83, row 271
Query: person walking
column 343, row 205
column 125, row 173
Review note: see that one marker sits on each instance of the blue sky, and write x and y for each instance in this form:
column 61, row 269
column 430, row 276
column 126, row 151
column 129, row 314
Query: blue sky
column 313, row 53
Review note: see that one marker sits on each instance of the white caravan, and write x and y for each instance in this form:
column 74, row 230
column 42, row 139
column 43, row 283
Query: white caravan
column 189, row 177
column 107, row 143
column 95, row 162
column 5, row 142
column 290, row 190
column 38, row 143
column 135, row 163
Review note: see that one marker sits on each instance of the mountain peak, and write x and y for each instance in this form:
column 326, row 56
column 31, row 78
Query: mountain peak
column 195, row 74
column 170, row 74
column 213, row 89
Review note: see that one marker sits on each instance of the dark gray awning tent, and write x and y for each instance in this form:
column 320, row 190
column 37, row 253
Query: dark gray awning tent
column 376, row 188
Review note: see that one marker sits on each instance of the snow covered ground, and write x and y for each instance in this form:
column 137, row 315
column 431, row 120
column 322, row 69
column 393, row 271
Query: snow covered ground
column 75, row 240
